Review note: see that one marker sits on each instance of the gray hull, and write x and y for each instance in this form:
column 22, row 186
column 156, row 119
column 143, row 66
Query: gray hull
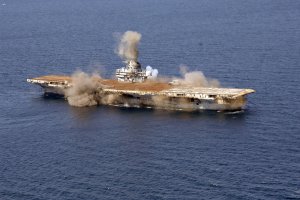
column 156, row 101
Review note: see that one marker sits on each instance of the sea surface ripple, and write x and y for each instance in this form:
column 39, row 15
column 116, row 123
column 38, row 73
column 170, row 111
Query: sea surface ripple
column 50, row 150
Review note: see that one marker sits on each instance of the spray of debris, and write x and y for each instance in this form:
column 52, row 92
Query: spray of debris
column 128, row 45
column 84, row 89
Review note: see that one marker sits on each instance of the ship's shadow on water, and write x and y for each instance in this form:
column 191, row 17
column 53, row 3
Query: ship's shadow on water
column 85, row 113
column 180, row 113
column 53, row 96
column 48, row 99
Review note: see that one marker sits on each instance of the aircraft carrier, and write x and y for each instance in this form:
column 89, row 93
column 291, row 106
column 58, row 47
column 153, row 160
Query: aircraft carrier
column 135, row 87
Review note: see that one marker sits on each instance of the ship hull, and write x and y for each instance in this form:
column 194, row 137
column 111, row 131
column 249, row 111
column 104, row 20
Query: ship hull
column 54, row 92
column 146, row 95
column 173, row 103
column 154, row 101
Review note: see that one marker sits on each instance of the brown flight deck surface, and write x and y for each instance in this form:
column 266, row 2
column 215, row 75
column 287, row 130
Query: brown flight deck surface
column 145, row 86
column 149, row 87
column 112, row 84
column 53, row 78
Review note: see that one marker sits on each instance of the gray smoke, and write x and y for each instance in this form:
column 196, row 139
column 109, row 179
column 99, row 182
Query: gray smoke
column 84, row 89
column 128, row 45
column 195, row 79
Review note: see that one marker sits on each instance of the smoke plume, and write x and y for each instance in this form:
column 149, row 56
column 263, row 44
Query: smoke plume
column 195, row 79
column 84, row 89
column 151, row 73
column 128, row 45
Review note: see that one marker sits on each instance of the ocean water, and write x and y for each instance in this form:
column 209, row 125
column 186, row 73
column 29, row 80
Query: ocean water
column 50, row 150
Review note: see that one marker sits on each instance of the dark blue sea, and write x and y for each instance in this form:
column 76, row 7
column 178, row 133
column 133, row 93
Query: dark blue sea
column 51, row 150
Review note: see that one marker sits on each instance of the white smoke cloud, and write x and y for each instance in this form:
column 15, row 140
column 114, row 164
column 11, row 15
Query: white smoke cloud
column 151, row 73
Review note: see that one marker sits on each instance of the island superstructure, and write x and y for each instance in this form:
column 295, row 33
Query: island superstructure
column 135, row 87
